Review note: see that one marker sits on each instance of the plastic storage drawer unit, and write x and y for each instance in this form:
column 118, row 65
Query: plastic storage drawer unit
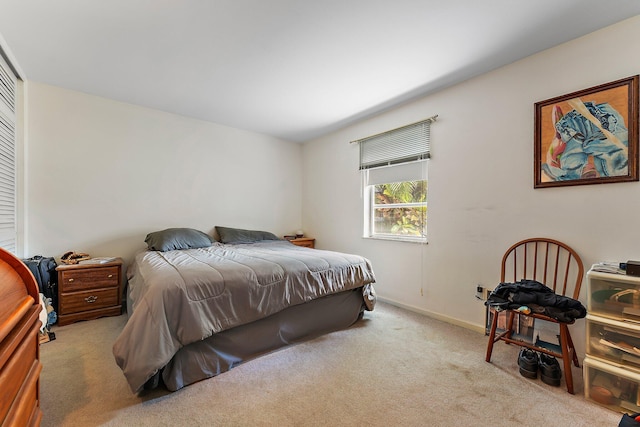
column 615, row 296
column 614, row 341
column 612, row 386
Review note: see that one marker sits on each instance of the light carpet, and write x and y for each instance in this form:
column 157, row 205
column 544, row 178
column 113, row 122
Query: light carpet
column 394, row 368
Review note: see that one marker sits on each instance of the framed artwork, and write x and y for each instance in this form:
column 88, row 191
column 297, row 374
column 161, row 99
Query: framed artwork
column 588, row 137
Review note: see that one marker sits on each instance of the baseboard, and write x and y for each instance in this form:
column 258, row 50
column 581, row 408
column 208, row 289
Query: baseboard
column 438, row 316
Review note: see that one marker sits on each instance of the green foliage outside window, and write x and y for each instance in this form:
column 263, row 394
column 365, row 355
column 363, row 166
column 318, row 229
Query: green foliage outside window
column 400, row 208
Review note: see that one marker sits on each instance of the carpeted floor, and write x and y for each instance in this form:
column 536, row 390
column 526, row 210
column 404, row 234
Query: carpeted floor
column 395, row 368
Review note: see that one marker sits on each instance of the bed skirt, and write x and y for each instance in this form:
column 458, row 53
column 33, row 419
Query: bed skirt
column 222, row 351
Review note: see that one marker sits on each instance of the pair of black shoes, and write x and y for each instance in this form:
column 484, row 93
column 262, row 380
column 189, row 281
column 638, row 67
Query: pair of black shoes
column 530, row 362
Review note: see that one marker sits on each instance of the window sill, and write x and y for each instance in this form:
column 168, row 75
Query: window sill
column 399, row 239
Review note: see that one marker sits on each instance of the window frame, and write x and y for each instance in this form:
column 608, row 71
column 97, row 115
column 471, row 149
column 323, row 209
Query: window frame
column 369, row 214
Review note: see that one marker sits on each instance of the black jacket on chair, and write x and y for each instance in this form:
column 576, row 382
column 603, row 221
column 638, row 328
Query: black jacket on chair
column 538, row 297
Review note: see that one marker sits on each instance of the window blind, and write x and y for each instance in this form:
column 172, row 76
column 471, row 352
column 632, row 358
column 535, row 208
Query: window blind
column 413, row 171
column 8, row 229
column 402, row 145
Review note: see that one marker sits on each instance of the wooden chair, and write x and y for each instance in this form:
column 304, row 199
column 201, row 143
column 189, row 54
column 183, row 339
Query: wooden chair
column 557, row 266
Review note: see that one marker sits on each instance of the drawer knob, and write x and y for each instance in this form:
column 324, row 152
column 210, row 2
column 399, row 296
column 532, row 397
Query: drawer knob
column 91, row 298
column 71, row 280
column 110, row 276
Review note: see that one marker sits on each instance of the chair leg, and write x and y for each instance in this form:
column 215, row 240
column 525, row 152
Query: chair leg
column 511, row 315
column 566, row 359
column 572, row 348
column 492, row 336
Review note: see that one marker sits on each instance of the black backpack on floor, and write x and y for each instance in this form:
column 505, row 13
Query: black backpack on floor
column 44, row 270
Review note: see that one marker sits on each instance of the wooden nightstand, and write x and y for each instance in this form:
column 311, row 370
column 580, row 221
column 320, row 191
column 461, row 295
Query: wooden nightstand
column 89, row 291
column 306, row 242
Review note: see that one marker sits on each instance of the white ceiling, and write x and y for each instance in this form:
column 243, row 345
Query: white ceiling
column 294, row 69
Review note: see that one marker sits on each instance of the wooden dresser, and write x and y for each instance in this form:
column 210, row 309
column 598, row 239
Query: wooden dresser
column 19, row 347
column 89, row 291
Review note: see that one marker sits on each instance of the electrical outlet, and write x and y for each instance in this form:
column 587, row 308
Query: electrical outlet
column 480, row 292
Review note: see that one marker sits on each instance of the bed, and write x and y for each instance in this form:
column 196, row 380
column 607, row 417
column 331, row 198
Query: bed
column 197, row 307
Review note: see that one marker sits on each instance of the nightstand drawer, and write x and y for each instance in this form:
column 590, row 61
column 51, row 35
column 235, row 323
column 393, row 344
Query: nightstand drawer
column 89, row 300
column 89, row 291
column 90, row 278
column 305, row 242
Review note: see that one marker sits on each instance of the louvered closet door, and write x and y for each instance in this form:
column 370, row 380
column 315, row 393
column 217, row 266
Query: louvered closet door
column 7, row 157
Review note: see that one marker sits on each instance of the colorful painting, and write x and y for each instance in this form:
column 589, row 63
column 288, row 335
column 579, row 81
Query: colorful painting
column 588, row 137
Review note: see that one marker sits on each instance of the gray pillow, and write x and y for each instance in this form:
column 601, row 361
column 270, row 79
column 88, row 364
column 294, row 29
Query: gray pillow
column 177, row 238
column 237, row 235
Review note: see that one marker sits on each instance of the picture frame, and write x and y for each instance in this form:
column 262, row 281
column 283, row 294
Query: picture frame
column 588, row 137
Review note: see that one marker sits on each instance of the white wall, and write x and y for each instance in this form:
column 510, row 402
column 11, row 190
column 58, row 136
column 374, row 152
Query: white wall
column 481, row 195
column 102, row 174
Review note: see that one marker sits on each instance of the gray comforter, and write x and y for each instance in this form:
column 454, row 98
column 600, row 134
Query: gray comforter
column 180, row 297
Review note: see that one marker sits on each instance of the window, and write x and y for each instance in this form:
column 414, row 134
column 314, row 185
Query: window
column 8, row 82
column 394, row 173
column 399, row 209
column 395, row 202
